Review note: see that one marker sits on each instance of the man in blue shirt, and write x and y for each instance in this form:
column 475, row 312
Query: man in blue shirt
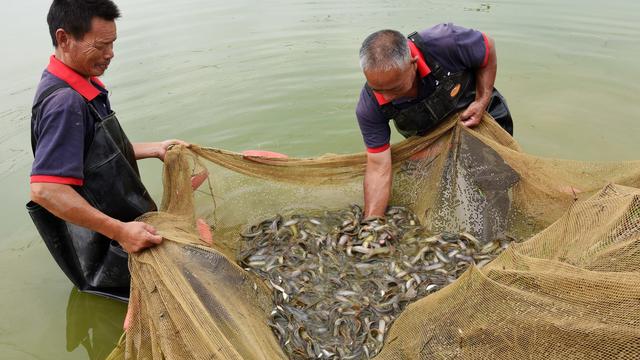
column 85, row 186
column 418, row 83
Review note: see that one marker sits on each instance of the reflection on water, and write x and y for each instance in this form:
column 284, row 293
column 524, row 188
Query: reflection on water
column 93, row 322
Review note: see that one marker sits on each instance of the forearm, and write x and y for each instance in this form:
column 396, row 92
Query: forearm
column 377, row 186
column 147, row 150
column 486, row 76
column 155, row 149
column 376, row 197
column 64, row 202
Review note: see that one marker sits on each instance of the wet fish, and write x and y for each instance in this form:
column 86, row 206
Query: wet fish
column 339, row 281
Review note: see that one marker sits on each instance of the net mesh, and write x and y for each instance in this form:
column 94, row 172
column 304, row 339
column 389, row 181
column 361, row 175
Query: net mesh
column 570, row 289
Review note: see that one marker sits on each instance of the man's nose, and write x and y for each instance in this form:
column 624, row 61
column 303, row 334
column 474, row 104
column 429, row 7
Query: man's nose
column 109, row 54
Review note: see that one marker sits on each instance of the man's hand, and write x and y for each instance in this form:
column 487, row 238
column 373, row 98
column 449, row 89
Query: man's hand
column 64, row 202
column 167, row 144
column 135, row 236
column 485, row 78
column 473, row 115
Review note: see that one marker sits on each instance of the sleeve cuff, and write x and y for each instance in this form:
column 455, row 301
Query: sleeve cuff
column 378, row 149
column 56, row 180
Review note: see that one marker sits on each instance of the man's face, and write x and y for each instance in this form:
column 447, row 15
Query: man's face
column 91, row 55
column 393, row 84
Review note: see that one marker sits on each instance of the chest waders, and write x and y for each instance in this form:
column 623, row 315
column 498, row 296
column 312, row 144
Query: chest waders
column 452, row 92
column 93, row 262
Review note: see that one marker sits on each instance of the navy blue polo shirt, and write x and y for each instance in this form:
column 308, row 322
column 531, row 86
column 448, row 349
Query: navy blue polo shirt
column 455, row 48
column 65, row 127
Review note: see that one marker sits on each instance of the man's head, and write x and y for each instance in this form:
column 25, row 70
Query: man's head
column 387, row 64
column 83, row 32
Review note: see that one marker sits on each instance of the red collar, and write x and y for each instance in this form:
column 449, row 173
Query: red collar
column 75, row 80
column 423, row 69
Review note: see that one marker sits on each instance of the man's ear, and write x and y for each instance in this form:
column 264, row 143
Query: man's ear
column 414, row 61
column 62, row 38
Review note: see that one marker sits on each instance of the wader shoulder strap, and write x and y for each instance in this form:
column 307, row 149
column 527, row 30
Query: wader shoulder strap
column 451, row 91
column 437, row 71
column 94, row 111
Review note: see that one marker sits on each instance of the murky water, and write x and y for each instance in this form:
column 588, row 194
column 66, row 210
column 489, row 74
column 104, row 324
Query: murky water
column 284, row 76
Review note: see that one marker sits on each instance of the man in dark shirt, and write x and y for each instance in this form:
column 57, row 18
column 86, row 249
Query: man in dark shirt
column 85, row 186
column 418, row 83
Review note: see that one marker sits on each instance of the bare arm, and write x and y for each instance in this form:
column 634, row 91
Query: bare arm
column 155, row 149
column 485, row 79
column 377, row 183
column 64, row 202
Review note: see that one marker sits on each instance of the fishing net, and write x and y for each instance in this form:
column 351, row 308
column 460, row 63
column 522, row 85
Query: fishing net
column 568, row 287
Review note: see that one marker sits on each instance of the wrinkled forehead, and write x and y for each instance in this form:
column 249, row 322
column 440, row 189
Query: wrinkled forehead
column 381, row 80
column 102, row 30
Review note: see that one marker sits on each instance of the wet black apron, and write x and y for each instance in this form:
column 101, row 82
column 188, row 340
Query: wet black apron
column 451, row 92
column 93, row 262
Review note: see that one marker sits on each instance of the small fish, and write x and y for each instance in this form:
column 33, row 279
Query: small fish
column 337, row 276
column 431, row 287
column 291, row 222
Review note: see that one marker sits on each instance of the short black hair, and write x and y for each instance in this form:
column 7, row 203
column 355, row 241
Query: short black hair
column 74, row 16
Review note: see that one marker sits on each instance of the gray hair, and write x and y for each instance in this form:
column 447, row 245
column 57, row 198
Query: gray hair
column 384, row 50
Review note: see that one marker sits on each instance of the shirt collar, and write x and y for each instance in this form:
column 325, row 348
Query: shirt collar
column 75, row 80
column 423, row 69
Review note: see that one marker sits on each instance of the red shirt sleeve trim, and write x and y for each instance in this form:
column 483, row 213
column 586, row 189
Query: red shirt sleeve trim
column 378, row 149
column 56, row 180
column 487, row 46
column 75, row 80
